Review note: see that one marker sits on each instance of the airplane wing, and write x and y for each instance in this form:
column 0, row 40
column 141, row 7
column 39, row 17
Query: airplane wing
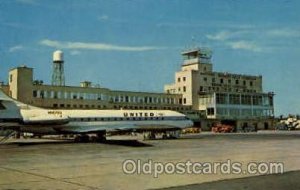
column 39, row 121
column 115, row 128
column 10, row 125
column 49, row 120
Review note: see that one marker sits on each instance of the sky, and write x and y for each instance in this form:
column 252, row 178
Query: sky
column 136, row 44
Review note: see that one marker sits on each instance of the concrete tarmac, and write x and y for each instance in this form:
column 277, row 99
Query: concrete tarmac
column 52, row 164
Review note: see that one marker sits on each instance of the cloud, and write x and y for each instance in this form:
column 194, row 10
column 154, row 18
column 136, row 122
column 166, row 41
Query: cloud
column 29, row 2
column 286, row 32
column 197, row 24
column 244, row 45
column 221, row 36
column 236, row 40
column 94, row 46
column 75, row 52
column 103, row 17
column 15, row 48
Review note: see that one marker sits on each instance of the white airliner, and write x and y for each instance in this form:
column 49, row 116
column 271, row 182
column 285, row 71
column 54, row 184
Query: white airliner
column 21, row 117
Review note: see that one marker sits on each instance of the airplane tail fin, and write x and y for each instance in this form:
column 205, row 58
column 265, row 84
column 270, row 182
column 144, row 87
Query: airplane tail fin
column 9, row 108
column 4, row 97
column 8, row 100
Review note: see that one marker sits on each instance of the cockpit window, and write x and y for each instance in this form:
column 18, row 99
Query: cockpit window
column 2, row 107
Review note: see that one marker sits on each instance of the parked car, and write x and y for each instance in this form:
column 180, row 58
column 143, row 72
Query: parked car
column 222, row 128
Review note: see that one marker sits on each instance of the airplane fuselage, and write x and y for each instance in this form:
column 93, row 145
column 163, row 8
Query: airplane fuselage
column 70, row 121
column 26, row 118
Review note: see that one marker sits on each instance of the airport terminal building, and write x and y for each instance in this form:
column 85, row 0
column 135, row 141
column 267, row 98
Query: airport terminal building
column 204, row 95
column 229, row 98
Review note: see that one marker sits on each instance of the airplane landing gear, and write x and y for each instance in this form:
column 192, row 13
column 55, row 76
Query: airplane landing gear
column 171, row 135
column 149, row 136
column 81, row 139
column 100, row 137
column 165, row 135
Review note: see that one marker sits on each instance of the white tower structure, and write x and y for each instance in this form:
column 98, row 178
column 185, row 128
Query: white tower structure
column 58, row 77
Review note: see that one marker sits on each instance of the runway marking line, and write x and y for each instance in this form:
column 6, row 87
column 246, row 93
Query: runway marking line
column 47, row 177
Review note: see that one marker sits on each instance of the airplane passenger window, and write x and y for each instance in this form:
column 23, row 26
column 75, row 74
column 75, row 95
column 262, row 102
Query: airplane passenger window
column 2, row 107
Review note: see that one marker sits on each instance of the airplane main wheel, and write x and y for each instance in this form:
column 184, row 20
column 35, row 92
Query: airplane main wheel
column 171, row 135
column 165, row 136
column 81, row 139
column 149, row 136
column 101, row 137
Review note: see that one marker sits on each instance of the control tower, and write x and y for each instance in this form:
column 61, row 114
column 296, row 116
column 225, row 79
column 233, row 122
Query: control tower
column 58, row 76
column 197, row 55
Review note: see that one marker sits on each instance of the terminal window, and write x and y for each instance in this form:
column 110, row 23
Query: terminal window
column 210, row 111
column 34, row 93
